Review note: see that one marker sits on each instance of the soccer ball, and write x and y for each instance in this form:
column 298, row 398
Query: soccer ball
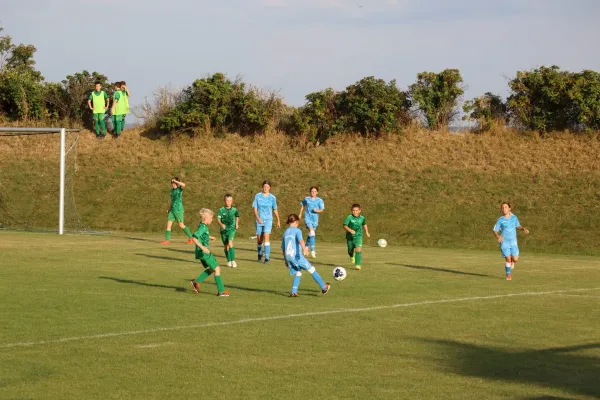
column 339, row 273
column 382, row 242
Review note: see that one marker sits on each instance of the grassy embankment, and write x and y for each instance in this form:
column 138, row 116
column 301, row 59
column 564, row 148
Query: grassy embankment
column 434, row 190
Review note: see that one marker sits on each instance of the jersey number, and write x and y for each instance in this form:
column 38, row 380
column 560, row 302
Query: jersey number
column 290, row 250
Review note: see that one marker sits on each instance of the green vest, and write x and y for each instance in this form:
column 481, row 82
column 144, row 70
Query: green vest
column 125, row 100
column 121, row 104
column 98, row 102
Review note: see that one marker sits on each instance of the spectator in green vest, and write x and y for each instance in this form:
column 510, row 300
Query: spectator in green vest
column 118, row 109
column 98, row 103
column 125, row 95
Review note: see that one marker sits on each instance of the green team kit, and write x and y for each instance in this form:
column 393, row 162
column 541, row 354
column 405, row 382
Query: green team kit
column 228, row 217
column 176, row 210
column 208, row 260
column 354, row 241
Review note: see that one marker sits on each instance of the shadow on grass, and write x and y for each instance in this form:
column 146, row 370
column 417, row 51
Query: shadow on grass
column 141, row 283
column 303, row 292
column 561, row 368
column 141, row 239
column 165, row 258
column 450, row 271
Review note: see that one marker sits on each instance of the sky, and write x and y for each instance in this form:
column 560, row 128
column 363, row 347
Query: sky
column 300, row 46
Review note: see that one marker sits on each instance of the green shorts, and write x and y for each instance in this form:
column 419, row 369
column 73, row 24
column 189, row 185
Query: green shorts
column 175, row 215
column 227, row 236
column 354, row 243
column 209, row 261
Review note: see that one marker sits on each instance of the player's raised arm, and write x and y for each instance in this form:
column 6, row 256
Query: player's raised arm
column 180, row 184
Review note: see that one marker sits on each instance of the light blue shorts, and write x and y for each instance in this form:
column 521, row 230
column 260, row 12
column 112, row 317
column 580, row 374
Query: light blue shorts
column 299, row 265
column 265, row 227
column 311, row 224
column 509, row 249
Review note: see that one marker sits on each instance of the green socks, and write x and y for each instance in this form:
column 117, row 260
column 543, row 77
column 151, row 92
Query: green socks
column 187, row 232
column 167, row 235
column 358, row 257
column 207, row 272
column 226, row 251
column 220, row 286
column 231, row 254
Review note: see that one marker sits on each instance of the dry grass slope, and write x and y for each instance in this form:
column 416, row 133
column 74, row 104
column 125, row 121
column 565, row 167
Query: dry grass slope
column 426, row 189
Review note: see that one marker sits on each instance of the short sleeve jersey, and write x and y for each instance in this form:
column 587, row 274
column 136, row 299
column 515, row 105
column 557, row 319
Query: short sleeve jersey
column 177, row 199
column 227, row 217
column 203, row 236
column 309, row 205
column 508, row 227
column 265, row 206
column 291, row 244
column 356, row 224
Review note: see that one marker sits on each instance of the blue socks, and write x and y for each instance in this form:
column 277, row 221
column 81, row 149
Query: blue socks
column 319, row 280
column 267, row 250
column 507, row 268
column 296, row 283
column 260, row 251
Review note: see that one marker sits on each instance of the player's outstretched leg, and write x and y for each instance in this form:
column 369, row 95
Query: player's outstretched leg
column 195, row 283
column 219, row 281
column 315, row 275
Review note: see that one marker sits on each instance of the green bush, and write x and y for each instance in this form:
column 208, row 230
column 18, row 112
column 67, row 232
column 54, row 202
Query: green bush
column 437, row 96
column 216, row 103
column 486, row 110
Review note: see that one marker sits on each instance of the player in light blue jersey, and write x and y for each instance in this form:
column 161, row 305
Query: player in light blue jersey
column 265, row 205
column 314, row 206
column 294, row 250
column 505, row 232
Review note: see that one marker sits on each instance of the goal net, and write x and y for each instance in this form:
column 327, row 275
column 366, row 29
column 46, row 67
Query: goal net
column 32, row 195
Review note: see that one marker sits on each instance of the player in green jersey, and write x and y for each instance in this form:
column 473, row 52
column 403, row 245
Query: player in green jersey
column 118, row 109
column 354, row 225
column 98, row 103
column 229, row 221
column 175, row 211
column 125, row 97
column 202, row 239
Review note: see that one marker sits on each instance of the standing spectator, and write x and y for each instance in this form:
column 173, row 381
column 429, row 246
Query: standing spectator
column 98, row 103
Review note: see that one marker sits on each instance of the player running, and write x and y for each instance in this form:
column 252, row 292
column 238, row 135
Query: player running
column 229, row 221
column 175, row 211
column 314, row 206
column 294, row 250
column 264, row 205
column 353, row 225
column 201, row 239
column 505, row 232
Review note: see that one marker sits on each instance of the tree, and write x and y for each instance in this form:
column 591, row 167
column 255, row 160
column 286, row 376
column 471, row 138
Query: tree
column 20, row 83
column 320, row 118
column 486, row 110
column 372, row 106
column 437, row 96
column 540, row 100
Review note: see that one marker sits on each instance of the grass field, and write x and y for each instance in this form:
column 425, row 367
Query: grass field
column 112, row 317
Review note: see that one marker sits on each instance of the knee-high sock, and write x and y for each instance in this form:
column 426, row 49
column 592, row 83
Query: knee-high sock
column 207, row 272
column 219, row 281
column 267, row 250
column 167, row 235
column 187, row 232
column 226, row 250
column 358, row 257
column 318, row 279
column 507, row 268
column 296, row 283
column 232, row 253
column 259, row 248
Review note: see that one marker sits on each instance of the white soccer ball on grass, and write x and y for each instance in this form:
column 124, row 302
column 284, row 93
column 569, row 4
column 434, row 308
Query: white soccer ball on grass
column 339, row 273
column 382, row 242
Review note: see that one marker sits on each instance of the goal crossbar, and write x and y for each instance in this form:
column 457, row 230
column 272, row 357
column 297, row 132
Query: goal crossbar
column 61, row 190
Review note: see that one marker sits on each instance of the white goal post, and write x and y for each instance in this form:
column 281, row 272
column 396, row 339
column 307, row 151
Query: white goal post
column 61, row 189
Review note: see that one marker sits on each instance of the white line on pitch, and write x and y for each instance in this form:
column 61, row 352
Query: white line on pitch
column 153, row 345
column 286, row 316
column 577, row 295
